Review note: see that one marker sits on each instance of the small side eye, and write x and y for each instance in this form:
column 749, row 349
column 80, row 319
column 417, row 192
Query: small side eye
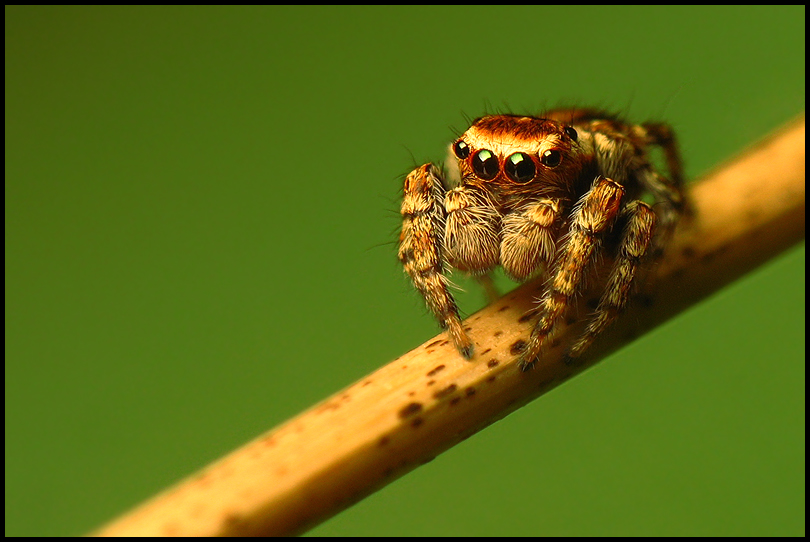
column 571, row 132
column 461, row 149
column 551, row 158
column 485, row 164
column 519, row 167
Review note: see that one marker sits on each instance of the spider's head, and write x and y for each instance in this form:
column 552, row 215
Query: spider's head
column 506, row 152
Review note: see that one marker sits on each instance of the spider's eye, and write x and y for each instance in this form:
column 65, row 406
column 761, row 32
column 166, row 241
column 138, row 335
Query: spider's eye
column 551, row 158
column 485, row 164
column 461, row 149
column 571, row 132
column 519, row 167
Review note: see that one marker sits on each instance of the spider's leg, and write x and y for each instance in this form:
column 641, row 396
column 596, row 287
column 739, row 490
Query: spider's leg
column 421, row 249
column 488, row 285
column 663, row 136
column 594, row 214
column 670, row 206
column 668, row 192
column 527, row 240
column 635, row 241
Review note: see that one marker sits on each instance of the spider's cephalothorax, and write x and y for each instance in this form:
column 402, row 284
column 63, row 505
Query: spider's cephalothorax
column 540, row 195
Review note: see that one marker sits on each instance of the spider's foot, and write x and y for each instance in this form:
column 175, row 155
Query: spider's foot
column 463, row 343
column 459, row 337
column 569, row 359
column 466, row 351
column 530, row 354
column 526, row 365
column 574, row 354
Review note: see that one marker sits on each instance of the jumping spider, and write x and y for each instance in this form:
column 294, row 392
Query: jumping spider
column 541, row 195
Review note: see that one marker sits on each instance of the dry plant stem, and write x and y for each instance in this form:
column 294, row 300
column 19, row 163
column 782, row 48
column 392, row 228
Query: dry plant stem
column 424, row 402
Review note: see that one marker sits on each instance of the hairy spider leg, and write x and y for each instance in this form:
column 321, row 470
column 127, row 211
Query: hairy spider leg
column 421, row 246
column 593, row 215
column 635, row 241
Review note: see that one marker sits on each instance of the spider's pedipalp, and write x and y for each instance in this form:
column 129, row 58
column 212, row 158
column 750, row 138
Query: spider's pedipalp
column 528, row 238
column 471, row 226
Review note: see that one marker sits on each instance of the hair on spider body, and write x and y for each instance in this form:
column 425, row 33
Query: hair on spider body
column 541, row 195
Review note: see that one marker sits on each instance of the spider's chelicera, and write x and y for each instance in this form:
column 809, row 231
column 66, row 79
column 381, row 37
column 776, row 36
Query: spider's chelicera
column 541, row 196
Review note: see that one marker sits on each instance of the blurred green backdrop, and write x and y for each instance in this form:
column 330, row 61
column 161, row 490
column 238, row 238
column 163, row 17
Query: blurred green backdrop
column 201, row 205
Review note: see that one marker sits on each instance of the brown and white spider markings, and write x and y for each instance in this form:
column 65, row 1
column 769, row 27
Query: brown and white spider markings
column 541, row 195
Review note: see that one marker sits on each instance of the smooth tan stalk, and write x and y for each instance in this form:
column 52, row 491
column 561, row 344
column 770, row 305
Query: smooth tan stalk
column 404, row 414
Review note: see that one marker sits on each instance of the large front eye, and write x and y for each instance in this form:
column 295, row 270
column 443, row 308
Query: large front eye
column 485, row 164
column 519, row 167
column 461, row 149
column 551, row 158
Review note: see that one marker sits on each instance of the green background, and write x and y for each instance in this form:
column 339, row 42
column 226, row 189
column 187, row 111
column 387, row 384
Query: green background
column 201, row 209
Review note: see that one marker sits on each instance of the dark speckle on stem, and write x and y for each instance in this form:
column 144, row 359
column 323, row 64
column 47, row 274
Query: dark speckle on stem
column 517, row 347
column 435, row 370
column 445, row 392
column 410, row 409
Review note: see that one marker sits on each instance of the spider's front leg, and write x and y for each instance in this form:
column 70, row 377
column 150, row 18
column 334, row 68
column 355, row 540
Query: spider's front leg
column 422, row 253
column 592, row 215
